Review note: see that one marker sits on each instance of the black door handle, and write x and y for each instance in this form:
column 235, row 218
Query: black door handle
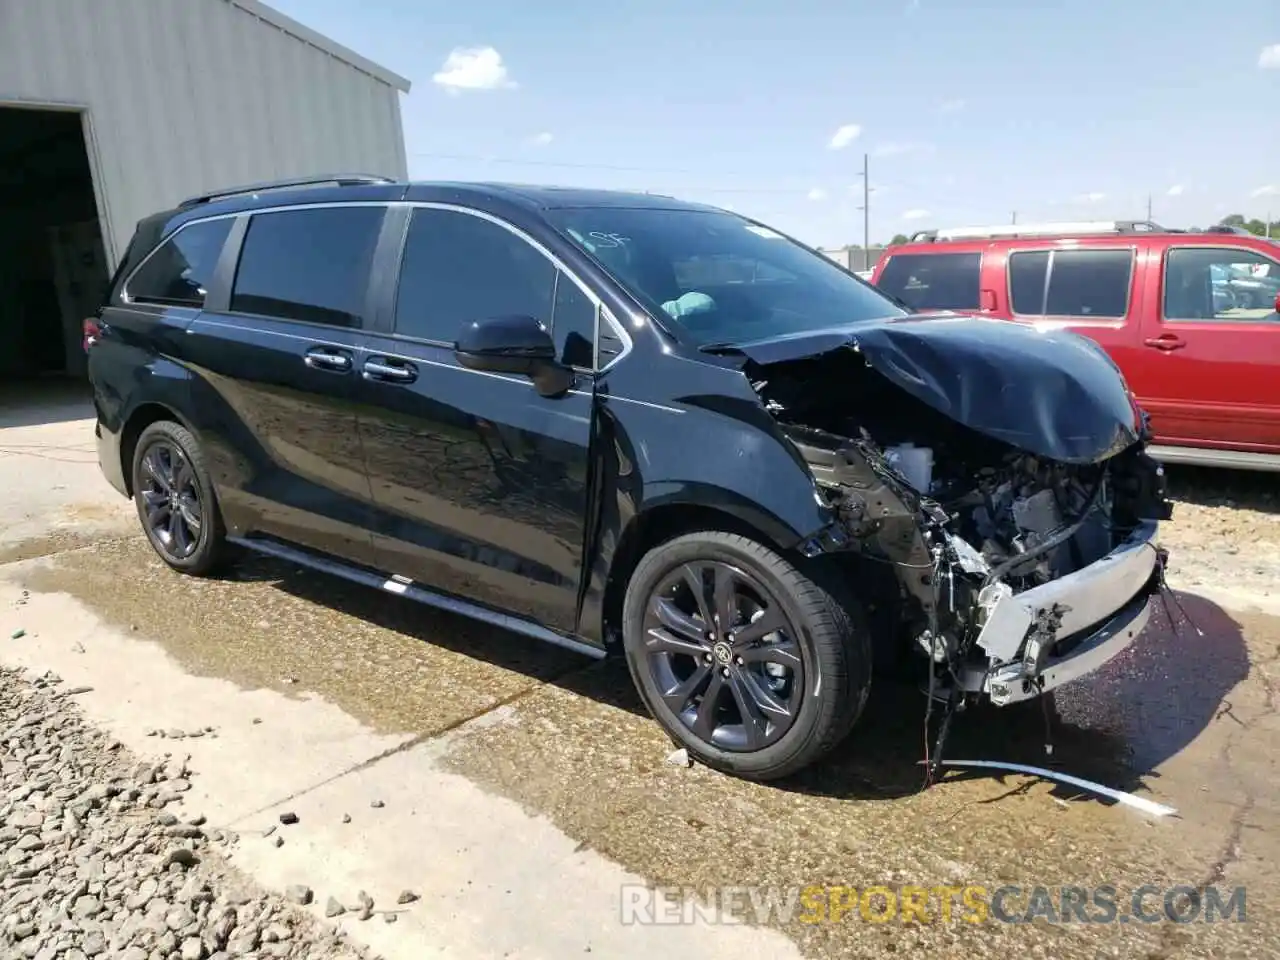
column 380, row 368
column 326, row 358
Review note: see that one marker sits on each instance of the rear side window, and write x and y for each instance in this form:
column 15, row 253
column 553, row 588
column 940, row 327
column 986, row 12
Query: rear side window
column 309, row 265
column 1089, row 283
column 1027, row 273
column 934, row 281
column 181, row 269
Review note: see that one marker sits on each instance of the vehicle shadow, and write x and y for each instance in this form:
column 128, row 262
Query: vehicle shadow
column 607, row 681
column 1216, row 487
column 1115, row 727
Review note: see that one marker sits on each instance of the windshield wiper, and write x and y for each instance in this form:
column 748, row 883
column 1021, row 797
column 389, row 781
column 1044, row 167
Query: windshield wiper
column 720, row 346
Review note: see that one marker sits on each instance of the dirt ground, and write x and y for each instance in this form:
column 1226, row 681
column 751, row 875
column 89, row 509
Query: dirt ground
column 1226, row 530
column 1187, row 717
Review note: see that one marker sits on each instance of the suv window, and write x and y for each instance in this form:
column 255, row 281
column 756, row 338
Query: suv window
column 1089, row 283
column 181, row 269
column 310, row 265
column 1027, row 273
column 573, row 324
column 934, row 281
column 1207, row 283
column 459, row 268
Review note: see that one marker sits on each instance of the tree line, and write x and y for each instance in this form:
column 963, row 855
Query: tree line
column 1254, row 226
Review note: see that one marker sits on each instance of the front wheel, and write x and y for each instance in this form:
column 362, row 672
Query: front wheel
column 756, row 666
column 175, row 500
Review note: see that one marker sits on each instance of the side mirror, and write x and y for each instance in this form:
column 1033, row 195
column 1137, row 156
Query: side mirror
column 1277, row 303
column 514, row 344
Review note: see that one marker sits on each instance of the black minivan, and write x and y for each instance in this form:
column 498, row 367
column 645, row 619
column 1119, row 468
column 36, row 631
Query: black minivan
column 621, row 422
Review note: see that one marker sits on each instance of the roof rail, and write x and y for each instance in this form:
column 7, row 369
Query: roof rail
column 337, row 179
column 1058, row 229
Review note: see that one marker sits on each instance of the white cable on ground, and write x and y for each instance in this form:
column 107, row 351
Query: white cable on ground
column 1128, row 799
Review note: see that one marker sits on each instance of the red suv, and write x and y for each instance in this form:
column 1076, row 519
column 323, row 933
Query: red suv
column 1190, row 318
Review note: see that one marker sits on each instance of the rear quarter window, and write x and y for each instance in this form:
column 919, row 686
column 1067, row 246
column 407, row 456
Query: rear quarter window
column 933, row 281
column 180, row 270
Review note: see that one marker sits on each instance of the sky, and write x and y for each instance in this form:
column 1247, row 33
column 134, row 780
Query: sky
column 969, row 111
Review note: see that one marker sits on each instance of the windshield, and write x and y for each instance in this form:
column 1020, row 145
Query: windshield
column 721, row 278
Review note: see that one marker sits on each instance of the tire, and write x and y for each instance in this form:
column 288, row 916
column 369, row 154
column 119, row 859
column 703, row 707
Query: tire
column 204, row 547
column 821, row 653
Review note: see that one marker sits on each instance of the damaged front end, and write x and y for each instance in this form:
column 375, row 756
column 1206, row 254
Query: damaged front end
column 1021, row 534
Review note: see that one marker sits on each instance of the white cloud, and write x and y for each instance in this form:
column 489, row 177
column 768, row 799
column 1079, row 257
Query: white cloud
column 1094, row 197
column 951, row 106
column 473, row 68
column 915, row 214
column 1177, row 190
column 541, row 139
column 817, row 193
column 844, row 136
column 1269, row 59
column 1270, row 190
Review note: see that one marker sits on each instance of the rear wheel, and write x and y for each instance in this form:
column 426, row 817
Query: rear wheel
column 754, row 665
column 175, row 501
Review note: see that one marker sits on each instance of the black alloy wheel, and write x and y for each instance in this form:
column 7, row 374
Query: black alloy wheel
column 723, row 654
column 174, row 515
column 175, row 499
column 756, row 662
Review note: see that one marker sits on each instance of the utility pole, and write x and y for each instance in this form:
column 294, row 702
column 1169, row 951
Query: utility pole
column 1148, row 208
column 1014, row 221
column 866, row 212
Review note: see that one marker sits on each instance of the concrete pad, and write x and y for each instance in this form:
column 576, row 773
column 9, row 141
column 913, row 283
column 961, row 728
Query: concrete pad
column 494, row 881
column 51, row 488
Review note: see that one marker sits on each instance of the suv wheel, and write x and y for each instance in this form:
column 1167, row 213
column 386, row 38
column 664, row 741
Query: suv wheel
column 175, row 501
column 754, row 665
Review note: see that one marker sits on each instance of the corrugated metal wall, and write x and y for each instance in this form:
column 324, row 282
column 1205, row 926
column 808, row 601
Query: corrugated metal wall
column 189, row 95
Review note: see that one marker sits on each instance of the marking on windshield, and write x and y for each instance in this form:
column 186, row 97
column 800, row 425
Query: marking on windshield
column 609, row 239
column 764, row 232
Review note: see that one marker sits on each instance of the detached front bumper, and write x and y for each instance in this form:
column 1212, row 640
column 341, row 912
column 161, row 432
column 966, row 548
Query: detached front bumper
column 1071, row 626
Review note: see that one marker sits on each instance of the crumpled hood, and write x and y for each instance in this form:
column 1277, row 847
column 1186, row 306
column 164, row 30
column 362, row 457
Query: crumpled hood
column 1048, row 392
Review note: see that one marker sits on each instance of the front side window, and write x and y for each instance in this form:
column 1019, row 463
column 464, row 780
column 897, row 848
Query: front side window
column 1089, row 283
column 1207, row 283
column 573, row 323
column 934, row 281
column 310, row 265
column 721, row 279
column 181, row 269
column 458, row 269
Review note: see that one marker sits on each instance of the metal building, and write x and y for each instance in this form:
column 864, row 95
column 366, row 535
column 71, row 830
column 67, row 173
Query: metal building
column 113, row 109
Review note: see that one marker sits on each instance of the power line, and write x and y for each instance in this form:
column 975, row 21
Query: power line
column 618, row 168
column 623, row 168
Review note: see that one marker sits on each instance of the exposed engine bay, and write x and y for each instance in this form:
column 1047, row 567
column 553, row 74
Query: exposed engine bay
column 968, row 523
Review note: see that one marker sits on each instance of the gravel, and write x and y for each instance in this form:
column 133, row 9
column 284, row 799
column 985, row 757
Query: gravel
column 1225, row 530
column 91, row 865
